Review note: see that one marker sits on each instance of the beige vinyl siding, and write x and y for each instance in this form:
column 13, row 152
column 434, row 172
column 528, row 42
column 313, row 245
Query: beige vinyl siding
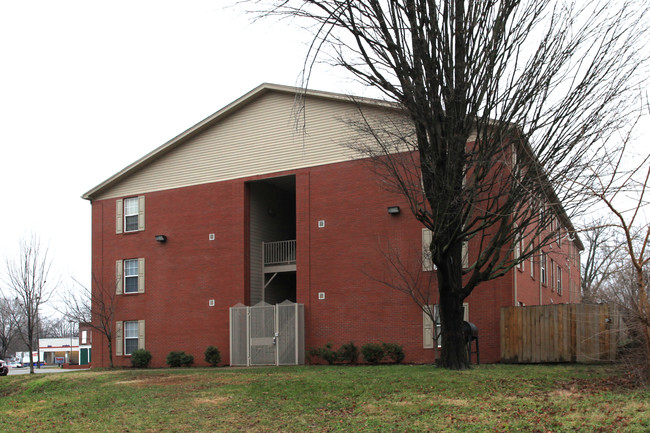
column 262, row 137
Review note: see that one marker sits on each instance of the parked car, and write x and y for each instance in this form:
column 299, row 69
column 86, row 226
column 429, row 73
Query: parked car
column 14, row 364
column 4, row 368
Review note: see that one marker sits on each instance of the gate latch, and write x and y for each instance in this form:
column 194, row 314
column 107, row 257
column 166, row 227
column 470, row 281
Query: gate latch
column 275, row 338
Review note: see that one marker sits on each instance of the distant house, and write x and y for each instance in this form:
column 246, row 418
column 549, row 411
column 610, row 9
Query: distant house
column 245, row 207
column 58, row 350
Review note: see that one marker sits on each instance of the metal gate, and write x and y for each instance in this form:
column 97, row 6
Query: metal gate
column 267, row 334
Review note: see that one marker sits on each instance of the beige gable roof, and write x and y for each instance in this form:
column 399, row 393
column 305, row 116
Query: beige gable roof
column 259, row 133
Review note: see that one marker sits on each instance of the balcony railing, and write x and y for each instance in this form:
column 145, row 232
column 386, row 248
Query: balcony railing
column 279, row 253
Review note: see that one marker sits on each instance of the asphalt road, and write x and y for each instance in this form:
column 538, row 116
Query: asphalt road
column 42, row 370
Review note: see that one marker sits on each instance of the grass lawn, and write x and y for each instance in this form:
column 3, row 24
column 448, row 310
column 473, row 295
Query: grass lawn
column 326, row 398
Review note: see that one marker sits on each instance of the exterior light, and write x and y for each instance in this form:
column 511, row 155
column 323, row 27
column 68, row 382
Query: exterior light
column 161, row 238
column 393, row 210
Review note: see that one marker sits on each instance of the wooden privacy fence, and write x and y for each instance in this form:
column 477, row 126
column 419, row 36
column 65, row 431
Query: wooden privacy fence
column 559, row 333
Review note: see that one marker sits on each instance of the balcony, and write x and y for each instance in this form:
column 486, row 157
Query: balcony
column 279, row 256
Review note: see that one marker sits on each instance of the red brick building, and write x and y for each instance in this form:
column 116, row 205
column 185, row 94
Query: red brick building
column 180, row 233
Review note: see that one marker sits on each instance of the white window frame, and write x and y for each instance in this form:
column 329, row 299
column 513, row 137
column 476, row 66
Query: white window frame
column 131, row 210
column 131, row 274
column 559, row 279
column 542, row 268
column 130, row 335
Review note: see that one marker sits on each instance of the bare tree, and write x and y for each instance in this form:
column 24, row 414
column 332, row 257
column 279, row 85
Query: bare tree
column 623, row 189
column 8, row 329
column 500, row 103
column 26, row 282
column 55, row 327
column 601, row 261
column 94, row 308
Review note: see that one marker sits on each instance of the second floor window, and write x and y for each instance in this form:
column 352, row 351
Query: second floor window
column 130, row 276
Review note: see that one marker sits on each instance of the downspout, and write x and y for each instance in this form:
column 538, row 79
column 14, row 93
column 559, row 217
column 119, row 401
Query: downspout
column 539, row 242
column 514, row 278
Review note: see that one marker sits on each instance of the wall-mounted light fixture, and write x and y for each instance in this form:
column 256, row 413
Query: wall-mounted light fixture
column 393, row 210
column 161, row 238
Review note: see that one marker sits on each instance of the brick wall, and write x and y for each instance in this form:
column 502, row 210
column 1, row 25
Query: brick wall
column 344, row 260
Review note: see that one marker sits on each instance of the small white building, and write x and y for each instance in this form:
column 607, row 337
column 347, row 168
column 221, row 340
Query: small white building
column 61, row 350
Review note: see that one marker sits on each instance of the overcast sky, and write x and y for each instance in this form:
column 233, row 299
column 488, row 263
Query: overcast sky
column 87, row 87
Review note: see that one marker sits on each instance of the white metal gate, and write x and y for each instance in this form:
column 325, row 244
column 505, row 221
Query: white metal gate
column 267, row 334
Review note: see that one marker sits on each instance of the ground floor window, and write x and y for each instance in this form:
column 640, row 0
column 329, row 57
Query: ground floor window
column 130, row 337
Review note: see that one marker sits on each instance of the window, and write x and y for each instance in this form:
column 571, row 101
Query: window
column 427, row 325
column 552, row 272
column 129, row 276
column 542, row 268
column 465, row 254
column 129, row 337
column 84, row 337
column 129, row 214
column 558, row 275
column 532, row 262
column 427, row 261
column 518, row 247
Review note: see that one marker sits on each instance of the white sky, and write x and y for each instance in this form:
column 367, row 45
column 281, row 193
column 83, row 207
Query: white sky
column 87, row 87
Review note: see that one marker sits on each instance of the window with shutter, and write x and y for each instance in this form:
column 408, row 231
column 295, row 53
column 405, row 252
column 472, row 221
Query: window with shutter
column 428, row 327
column 129, row 276
column 129, row 214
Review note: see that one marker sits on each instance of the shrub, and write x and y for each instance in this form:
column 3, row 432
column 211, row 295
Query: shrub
column 326, row 353
column 174, row 359
column 372, row 352
column 212, row 356
column 187, row 360
column 177, row 359
column 140, row 358
column 393, row 352
column 348, row 353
